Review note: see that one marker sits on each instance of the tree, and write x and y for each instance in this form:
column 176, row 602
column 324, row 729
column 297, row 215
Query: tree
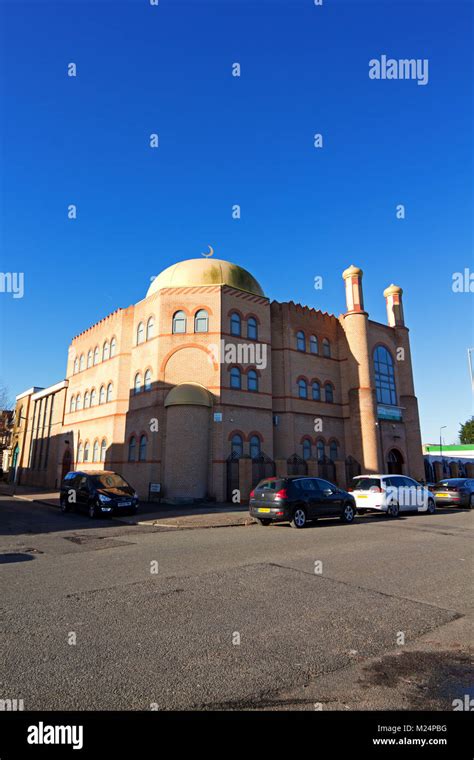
column 5, row 400
column 466, row 433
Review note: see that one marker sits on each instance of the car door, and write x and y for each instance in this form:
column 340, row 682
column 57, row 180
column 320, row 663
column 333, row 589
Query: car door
column 410, row 494
column 419, row 497
column 311, row 496
column 330, row 499
column 82, row 493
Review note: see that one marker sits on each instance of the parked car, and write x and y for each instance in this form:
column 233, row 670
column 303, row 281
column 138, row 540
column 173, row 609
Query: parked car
column 97, row 493
column 391, row 494
column 458, row 491
column 298, row 500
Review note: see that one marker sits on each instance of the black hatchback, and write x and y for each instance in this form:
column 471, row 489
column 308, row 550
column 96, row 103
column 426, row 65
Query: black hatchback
column 97, row 493
column 298, row 500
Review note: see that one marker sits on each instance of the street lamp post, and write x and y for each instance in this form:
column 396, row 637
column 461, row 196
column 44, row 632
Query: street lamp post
column 441, row 449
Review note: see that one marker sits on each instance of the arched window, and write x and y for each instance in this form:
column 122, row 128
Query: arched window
column 252, row 380
column 103, row 449
column 96, row 355
column 326, row 348
column 86, row 451
column 252, row 328
column 106, row 351
column 93, row 397
column 113, row 347
column 320, row 450
column 80, row 450
column 109, row 392
column 131, row 449
column 333, row 451
column 147, row 383
column 140, row 333
column 89, row 358
column 300, row 341
column 329, row 393
column 150, row 328
column 95, row 452
column 201, row 321
column 384, row 377
column 78, row 402
column 316, row 390
column 255, row 448
column 237, row 445
column 137, row 384
column 306, row 448
column 142, row 449
column 313, row 344
column 179, row 322
column 102, row 395
column 76, row 366
column 87, row 400
column 235, row 378
column 302, row 388
column 81, row 363
column 235, row 324
column 72, row 405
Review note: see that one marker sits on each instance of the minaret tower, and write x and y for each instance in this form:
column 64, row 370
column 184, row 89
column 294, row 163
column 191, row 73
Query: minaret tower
column 362, row 400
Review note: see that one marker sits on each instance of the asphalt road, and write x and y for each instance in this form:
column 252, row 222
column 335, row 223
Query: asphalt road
column 374, row 615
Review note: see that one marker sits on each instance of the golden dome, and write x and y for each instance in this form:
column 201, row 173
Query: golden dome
column 392, row 290
column 205, row 271
column 352, row 271
column 193, row 394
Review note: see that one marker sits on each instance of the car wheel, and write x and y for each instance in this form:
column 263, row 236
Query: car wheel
column 299, row 518
column 263, row 522
column 92, row 511
column 471, row 502
column 431, row 507
column 393, row 509
column 64, row 504
column 348, row 513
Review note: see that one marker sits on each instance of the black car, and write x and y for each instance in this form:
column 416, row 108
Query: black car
column 97, row 493
column 298, row 500
column 455, row 491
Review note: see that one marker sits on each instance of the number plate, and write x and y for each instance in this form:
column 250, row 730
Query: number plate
column 124, row 503
column 361, row 496
column 263, row 509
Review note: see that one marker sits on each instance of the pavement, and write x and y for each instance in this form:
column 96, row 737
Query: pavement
column 105, row 615
column 211, row 515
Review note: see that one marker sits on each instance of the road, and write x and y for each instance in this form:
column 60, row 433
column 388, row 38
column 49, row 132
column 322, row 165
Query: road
column 103, row 615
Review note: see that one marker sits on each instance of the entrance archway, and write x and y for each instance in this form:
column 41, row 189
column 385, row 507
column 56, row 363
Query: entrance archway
column 395, row 462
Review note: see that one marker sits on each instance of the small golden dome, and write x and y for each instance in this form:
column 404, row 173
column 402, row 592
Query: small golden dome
column 188, row 393
column 392, row 289
column 352, row 271
column 205, row 271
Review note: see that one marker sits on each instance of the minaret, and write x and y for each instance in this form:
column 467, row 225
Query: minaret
column 393, row 298
column 405, row 385
column 362, row 401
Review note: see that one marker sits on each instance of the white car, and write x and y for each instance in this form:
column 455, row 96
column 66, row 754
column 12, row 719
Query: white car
column 391, row 494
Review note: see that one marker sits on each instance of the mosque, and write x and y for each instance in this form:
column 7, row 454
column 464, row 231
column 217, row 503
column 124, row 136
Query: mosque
column 206, row 385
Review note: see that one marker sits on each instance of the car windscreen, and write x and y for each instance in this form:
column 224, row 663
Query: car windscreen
column 450, row 482
column 109, row 480
column 365, row 484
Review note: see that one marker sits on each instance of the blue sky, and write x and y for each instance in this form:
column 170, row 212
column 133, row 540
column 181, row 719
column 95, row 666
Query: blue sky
column 247, row 140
